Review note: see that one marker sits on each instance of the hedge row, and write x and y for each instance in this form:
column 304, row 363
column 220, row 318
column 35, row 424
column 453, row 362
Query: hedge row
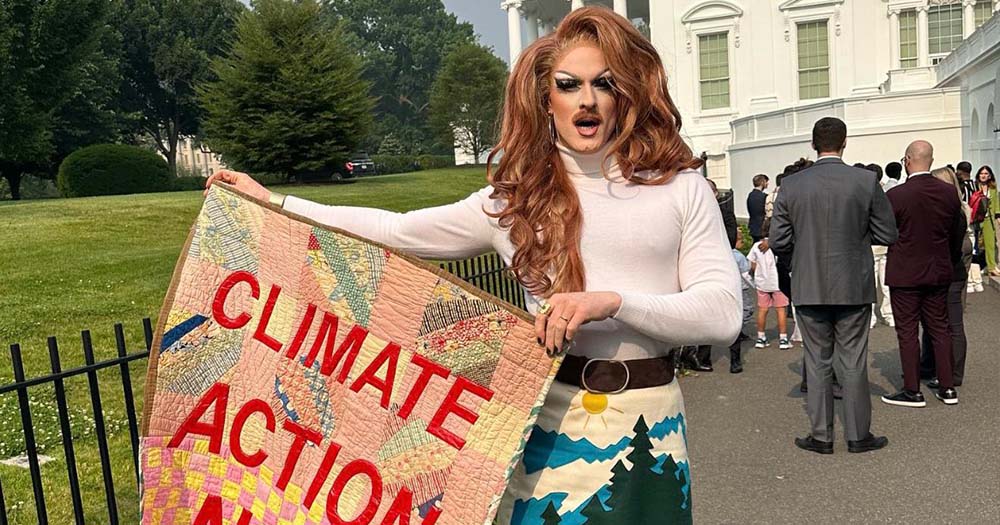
column 386, row 164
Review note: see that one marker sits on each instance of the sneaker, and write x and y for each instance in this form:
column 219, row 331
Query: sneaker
column 905, row 398
column 762, row 342
column 872, row 323
column 948, row 396
column 784, row 344
column 891, row 322
column 979, row 287
column 970, row 289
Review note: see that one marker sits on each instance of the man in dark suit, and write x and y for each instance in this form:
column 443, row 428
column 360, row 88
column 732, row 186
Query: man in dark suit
column 919, row 270
column 826, row 219
column 756, row 205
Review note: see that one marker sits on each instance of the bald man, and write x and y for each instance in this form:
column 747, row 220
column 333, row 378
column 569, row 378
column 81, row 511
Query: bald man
column 919, row 270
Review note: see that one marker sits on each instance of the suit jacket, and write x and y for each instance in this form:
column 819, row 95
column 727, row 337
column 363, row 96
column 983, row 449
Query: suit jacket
column 826, row 219
column 756, row 202
column 729, row 216
column 931, row 229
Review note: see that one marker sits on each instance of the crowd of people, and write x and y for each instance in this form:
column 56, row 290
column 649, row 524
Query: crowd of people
column 839, row 248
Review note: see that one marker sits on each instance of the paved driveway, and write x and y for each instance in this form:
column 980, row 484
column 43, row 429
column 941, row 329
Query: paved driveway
column 942, row 464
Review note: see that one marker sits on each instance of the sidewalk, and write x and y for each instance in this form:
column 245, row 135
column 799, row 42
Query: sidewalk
column 942, row 464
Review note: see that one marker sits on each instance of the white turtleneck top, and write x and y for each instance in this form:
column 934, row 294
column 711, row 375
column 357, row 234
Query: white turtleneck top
column 662, row 248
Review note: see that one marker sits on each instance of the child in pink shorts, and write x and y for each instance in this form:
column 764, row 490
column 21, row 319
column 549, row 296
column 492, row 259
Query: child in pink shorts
column 765, row 275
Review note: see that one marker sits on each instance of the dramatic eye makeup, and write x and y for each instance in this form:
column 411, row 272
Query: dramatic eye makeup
column 566, row 82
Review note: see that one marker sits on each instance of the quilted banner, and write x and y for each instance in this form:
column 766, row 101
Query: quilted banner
column 302, row 375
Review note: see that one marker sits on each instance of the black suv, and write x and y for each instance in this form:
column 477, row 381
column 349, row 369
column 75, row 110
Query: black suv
column 359, row 165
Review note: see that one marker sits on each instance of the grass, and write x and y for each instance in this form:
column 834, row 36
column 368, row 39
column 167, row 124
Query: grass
column 68, row 265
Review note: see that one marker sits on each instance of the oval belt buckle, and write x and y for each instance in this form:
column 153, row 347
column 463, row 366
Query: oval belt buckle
column 583, row 376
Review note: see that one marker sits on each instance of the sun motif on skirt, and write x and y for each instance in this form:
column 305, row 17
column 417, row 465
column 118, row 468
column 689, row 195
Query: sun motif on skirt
column 595, row 404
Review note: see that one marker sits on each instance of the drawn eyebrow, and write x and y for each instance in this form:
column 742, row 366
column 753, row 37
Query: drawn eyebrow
column 598, row 77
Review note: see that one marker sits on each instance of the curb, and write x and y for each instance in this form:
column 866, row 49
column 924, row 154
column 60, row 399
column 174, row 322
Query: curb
column 992, row 282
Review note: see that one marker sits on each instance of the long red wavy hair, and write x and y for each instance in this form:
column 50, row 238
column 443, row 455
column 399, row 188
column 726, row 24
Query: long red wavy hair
column 542, row 210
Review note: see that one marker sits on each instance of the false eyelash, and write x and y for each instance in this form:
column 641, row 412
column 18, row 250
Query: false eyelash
column 567, row 84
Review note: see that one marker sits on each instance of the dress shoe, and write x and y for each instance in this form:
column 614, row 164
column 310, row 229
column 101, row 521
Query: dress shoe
column 905, row 398
column 803, row 387
column 814, row 445
column 867, row 444
column 701, row 367
column 948, row 396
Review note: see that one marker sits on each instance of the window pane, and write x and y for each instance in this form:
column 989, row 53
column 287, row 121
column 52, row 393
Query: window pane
column 944, row 28
column 713, row 56
column 908, row 38
column 814, row 60
column 983, row 10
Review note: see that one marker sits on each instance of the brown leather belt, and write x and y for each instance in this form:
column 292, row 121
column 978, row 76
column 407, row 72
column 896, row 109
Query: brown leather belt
column 609, row 376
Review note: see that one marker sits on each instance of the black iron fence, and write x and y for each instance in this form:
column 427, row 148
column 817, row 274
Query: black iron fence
column 485, row 272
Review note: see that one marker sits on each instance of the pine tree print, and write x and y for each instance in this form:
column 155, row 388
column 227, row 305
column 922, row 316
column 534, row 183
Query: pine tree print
column 596, row 514
column 640, row 496
column 551, row 515
column 619, row 485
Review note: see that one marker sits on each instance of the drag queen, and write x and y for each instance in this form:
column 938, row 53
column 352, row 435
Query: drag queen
column 596, row 205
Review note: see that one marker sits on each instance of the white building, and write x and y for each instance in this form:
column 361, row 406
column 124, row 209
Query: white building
column 752, row 76
column 195, row 160
column 975, row 68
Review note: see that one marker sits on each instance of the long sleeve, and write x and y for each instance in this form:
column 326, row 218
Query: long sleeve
column 781, row 237
column 454, row 231
column 882, row 219
column 957, row 233
column 708, row 309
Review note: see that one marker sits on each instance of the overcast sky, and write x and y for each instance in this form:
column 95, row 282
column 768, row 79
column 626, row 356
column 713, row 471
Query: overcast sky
column 489, row 21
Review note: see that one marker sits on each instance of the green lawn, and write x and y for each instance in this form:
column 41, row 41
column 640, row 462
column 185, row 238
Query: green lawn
column 72, row 264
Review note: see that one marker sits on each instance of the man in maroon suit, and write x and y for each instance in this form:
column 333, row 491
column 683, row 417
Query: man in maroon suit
column 919, row 270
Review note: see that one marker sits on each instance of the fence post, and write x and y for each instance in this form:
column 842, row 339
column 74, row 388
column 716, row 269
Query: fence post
column 29, row 434
column 133, row 429
column 67, row 432
column 102, row 437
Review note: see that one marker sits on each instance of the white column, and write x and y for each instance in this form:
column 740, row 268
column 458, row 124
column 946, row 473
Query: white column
column 621, row 7
column 532, row 27
column 968, row 17
column 923, row 49
column 894, row 39
column 513, row 28
column 576, row 4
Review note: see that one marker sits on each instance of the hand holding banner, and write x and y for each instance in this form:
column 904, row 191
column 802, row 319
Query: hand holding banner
column 301, row 375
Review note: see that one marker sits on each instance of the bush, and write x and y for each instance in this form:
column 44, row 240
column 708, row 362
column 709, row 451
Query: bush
column 112, row 169
column 188, row 183
column 386, row 164
column 433, row 162
column 31, row 188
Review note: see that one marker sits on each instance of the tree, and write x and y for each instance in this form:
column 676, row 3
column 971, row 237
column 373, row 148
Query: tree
column 466, row 98
column 289, row 98
column 55, row 83
column 403, row 43
column 168, row 48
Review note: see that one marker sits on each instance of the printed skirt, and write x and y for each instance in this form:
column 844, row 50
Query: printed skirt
column 595, row 459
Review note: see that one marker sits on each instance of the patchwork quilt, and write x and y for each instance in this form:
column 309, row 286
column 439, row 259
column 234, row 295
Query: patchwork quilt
column 302, row 375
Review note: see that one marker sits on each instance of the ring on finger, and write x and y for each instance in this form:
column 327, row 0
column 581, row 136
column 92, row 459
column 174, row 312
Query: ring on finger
column 544, row 308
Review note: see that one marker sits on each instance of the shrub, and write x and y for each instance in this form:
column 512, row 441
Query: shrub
column 433, row 162
column 386, row 164
column 188, row 183
column 112, row 169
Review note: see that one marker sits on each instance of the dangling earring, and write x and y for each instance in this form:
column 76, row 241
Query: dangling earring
column 552, row 129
